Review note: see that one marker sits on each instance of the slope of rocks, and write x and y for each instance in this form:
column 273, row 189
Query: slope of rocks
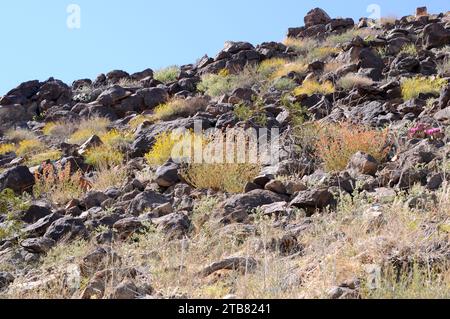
column 138, row 235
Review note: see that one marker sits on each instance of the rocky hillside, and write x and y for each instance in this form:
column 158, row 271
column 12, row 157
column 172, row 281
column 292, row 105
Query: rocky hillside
column 95, row 202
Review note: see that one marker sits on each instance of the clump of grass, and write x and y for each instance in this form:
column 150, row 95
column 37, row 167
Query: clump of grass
column 413, row 87
column 321, row 53
column 351, row 81
column 180, row 108
column 334, row 40
column 310, row 87
column 88, row 127
column 129, row 83
column 103, row 156
column 59, row 130
column 167, row 75
column 302, row 46
column 139, row 119
column 7, row 148
column 19, row 134
column 106, row 177
column 337, row 143
column 268, row 67
column 296, row 66
column 224, row 82
column 116, row 139
column 30, row 147
column 224, row 177
column 58, row 184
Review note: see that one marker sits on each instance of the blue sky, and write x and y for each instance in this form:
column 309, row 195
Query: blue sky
column 135, row 34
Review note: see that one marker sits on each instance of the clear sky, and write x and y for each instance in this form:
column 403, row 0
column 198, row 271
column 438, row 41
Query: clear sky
column 132, row 35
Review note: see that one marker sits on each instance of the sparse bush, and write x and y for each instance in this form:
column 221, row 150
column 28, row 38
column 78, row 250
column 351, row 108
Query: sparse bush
column 320, row 53
column 58, row 184
column 10, row 204
column 413, row 87
column 243, row 112
column 167, row 75
column 180, row 108
column 216, row 84
column 88, row 127
column 7, row 148
column 333, row 66
column 139, row 119
column 105, row 177
column 310, row 87
column 129, row 83
column 444, row 67
column 349, row 35
column 351, row 81
column 284, row 84
column 337, row 143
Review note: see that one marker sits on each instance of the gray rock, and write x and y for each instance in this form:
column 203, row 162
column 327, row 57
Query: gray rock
column 316, row 16
column 363, row 163
column 38, row 245
column 167, row 175
column 19, row 179
column 146, row 201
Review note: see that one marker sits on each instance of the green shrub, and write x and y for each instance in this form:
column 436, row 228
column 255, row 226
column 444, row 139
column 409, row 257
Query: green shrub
column 413, row 87
column 167, row 75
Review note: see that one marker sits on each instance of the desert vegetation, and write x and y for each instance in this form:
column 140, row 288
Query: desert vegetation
column 105, row 194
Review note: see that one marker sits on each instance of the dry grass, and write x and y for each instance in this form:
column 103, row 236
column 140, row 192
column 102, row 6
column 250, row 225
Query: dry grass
column 19, row 134
column 351, row 81
column 88, row 127
column 337, row 247
column 59, row 130
column 180, row 108
column 107, row 177
column 104, row 156
column 58, row 184
column 337, row 143
column 302, row 46
column 229, row 178
column 333, row 66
